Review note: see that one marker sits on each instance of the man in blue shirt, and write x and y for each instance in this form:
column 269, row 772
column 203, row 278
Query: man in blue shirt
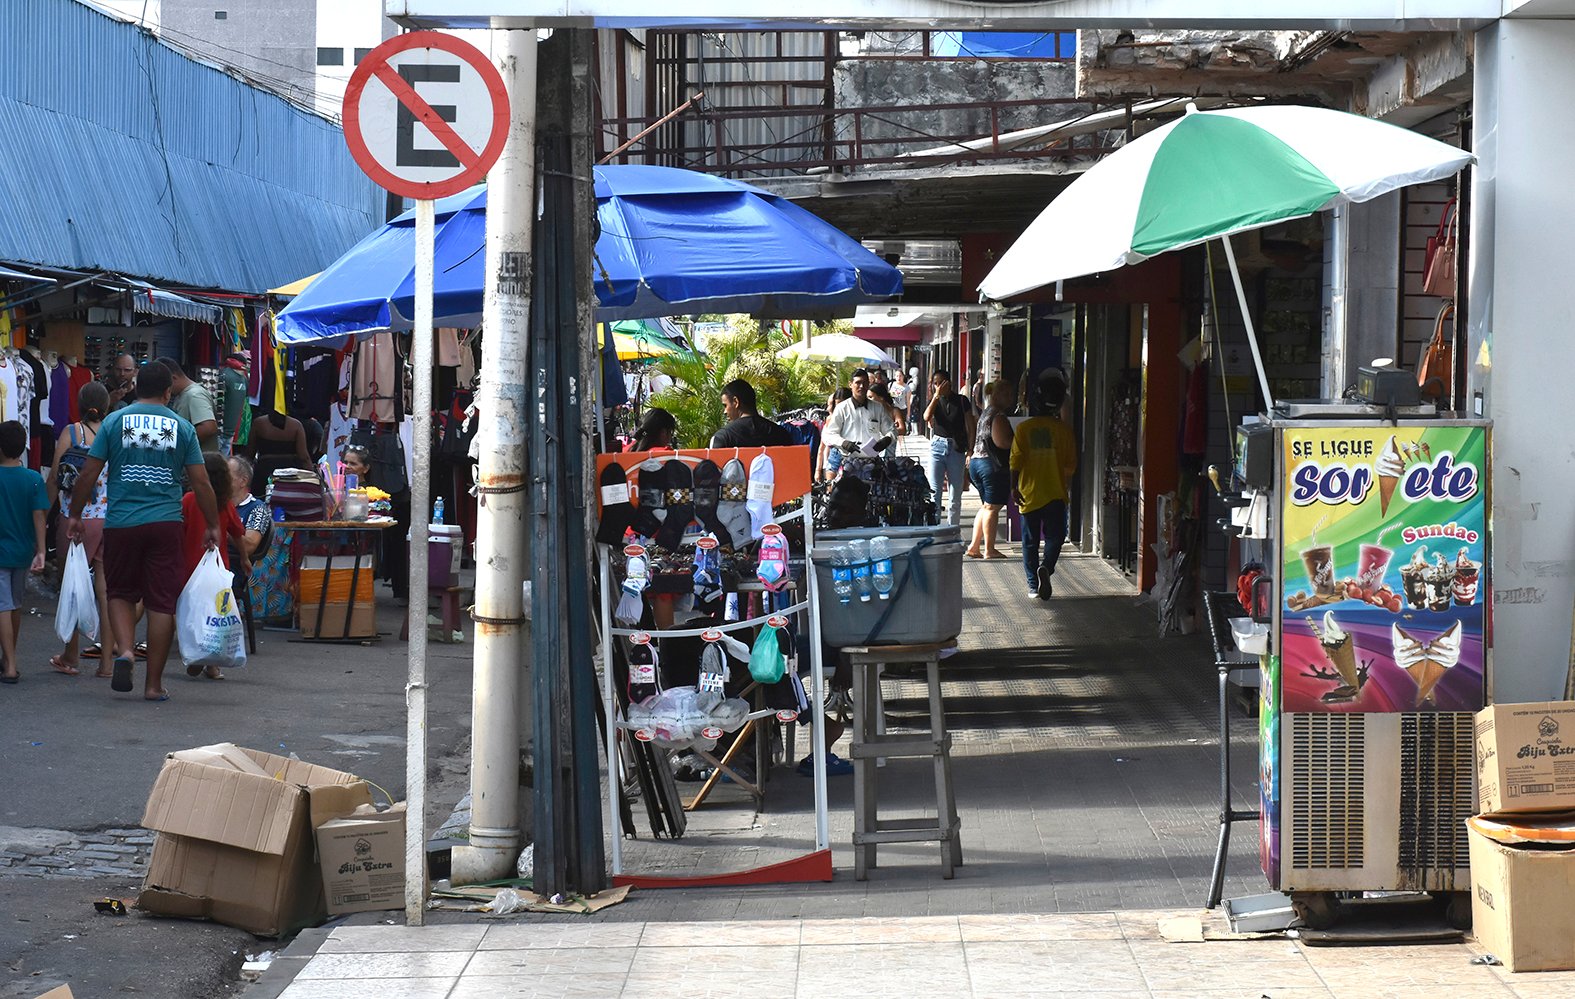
column 146, row 447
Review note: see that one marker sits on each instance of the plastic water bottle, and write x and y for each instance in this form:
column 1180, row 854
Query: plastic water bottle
column 437, row 510
column 860, row 553
column 880, row 569
column 841, row 574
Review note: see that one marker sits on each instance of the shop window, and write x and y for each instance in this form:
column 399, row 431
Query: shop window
column 330, row 56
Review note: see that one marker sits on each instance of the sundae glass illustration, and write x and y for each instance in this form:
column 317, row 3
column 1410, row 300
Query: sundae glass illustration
column 1467, row 574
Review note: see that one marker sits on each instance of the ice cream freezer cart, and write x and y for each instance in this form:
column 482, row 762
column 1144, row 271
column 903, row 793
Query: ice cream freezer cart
column 1378, row 547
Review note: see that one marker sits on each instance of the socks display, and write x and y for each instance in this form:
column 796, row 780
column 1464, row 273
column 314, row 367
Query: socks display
column 762, row 485
column 637, row 577
column 707, row 493
column 680, row 505
column 731, row 508
column 617, row 511
column 644, row 669
column 651, row 484
column 773, row 569
column 708, row 569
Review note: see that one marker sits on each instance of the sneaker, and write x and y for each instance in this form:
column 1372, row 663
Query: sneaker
column 1045, row 589
column 1033, row 591
column 836, row 766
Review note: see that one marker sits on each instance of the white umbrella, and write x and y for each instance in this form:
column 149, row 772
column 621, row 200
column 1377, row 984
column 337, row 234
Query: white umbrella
column 1207, row 175
column 836, row 348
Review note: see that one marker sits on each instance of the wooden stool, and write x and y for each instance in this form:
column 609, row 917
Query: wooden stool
column 869, row 830
column 450, row 599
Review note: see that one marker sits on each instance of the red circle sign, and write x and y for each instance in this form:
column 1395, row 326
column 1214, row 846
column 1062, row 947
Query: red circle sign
column 383, row 123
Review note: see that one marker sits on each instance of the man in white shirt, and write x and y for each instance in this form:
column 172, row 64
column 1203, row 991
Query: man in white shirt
column 858, row 420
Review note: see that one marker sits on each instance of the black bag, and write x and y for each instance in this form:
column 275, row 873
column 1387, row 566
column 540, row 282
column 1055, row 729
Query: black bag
column 70, row 463
column 387, row 455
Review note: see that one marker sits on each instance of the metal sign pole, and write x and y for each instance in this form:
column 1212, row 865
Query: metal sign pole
column 420, row 497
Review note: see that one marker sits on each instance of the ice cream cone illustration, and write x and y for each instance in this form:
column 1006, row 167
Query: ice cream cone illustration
column 1388, row 468
column 1426, row 661
column 1340, row 650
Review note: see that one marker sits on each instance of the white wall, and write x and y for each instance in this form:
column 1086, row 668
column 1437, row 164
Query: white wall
column 346, row 24
column 1522, row 303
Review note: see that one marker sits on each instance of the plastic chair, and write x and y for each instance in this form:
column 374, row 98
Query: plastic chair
column 1242, row 669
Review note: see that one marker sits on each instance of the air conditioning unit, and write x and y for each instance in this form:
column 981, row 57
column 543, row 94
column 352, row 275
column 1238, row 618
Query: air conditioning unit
column 1376, row 802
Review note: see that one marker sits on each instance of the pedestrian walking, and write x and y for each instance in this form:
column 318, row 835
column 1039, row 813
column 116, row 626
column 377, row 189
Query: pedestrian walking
column 822, row 460
column 146, row 448
column 989, row 467
column 882, row 395
column 194, row 533
column 950, row 417
column 856, row 421
column 71, row 453
column 23, row 506
column 1043, row 461
column 902, row 398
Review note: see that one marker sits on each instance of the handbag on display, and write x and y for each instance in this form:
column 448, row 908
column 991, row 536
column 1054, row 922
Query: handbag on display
column 1436, row 374
column 1438, row 266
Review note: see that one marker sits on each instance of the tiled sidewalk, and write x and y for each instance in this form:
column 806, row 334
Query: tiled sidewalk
column 1096, row 955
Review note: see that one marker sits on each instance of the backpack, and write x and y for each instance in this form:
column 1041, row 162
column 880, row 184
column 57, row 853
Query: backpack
column 70, row 463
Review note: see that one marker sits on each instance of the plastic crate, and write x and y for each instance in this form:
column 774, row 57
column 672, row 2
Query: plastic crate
column 923, row 611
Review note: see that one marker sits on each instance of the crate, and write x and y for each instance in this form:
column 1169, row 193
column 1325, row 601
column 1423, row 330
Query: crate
column 921, row 613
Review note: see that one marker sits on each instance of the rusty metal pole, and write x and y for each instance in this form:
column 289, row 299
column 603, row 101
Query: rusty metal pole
column 499, row 680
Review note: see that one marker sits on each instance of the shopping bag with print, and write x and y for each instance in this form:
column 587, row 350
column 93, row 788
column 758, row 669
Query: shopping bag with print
column 208, row 622
column 78, row 607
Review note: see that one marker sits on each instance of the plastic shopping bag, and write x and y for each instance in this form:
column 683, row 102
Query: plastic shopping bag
column 78, row 607
column 207, row 620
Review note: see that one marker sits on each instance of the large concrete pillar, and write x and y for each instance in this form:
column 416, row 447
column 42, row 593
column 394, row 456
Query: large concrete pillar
column 1520, row 347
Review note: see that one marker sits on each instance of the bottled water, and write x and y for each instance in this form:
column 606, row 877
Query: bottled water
column 880, row 569
column 860, row 553
column 841, row 574
column 437, row 510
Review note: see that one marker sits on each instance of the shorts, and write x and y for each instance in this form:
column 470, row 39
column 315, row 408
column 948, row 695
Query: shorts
column 92, row 538
column 13, row 587
column 993, row 482
column 145, row 563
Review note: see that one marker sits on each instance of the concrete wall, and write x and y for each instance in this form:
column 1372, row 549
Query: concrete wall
column 275, row 40
column 922, row 82
column 1521, row 304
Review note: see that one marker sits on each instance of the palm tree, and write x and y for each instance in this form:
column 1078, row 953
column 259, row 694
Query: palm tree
column 744, row 351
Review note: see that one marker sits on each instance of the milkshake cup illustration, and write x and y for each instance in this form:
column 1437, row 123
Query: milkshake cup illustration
column 1389, row 467
column 1373, row 564
column 1319, row 560
column 1467, row 573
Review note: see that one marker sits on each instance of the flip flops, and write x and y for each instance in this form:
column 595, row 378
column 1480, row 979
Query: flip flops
column 121, row 681
column 13, row 678
column 63, row 668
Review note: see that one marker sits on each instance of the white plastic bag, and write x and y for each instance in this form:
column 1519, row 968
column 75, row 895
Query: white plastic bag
column 78, row 607
column 207, row 620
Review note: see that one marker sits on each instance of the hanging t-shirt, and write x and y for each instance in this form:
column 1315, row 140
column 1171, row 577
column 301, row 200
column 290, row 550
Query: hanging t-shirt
column 375, row 379
column 24, row 393
column 80, row 376
column 60, row 394
column 7, row 389
column 37, row 410
column 147, row 448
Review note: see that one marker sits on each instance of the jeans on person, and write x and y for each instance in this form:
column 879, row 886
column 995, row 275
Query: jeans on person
column 833, row 461
column 946, row 466
column 1047, row 522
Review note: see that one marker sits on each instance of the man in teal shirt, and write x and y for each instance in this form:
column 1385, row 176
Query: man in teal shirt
column 146, row 447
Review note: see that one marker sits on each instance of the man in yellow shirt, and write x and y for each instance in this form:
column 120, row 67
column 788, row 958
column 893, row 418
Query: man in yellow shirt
column 1044, row 459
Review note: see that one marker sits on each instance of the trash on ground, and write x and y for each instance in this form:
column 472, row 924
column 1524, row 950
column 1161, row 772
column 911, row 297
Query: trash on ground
column 113, row 906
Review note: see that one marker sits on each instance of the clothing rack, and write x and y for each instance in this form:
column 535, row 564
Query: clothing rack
column 792, row 465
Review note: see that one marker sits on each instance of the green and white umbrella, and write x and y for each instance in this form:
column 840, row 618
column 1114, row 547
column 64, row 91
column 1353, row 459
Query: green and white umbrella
column 1210, row 174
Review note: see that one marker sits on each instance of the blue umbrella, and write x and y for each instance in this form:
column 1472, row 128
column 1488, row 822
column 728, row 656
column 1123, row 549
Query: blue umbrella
column 672, row 242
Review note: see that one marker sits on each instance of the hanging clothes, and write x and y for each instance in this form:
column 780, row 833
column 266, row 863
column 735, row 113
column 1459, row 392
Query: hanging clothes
column 39, row 411
column 447, row 347
column 374, row 380
column 259, row 346
column 7, row 388
column 60, row 394
column 278, row 402
column 24, row 392
column 80, row 376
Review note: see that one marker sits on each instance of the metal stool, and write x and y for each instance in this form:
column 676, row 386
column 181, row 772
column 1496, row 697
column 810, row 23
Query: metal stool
column 1241, row 669
column 869, row 830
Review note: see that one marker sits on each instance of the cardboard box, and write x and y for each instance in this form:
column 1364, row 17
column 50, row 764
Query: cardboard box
column 237, row 847
column 221, row 754
column 63, row 992
column 341, row 572
column 1526, row 757
column 363, row 860
column 1520, row 911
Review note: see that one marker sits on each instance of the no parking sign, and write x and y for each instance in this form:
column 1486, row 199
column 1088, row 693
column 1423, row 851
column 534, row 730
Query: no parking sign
column 426, row 115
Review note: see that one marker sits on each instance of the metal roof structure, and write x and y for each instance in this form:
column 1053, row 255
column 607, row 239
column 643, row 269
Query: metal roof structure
column 124, row 155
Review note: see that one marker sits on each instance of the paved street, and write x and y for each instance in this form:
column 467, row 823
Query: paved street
column 78, row 763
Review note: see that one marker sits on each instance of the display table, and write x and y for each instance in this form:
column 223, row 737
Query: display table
column 276, row 580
